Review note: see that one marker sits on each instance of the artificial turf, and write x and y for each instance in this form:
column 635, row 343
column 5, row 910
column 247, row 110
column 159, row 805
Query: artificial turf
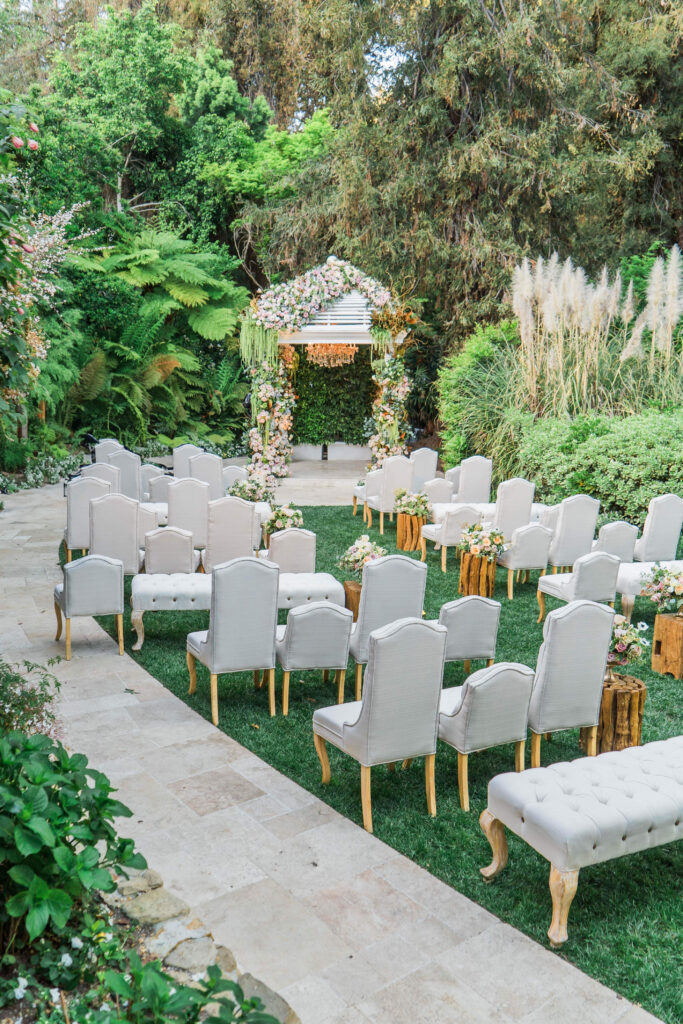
column 626, row 922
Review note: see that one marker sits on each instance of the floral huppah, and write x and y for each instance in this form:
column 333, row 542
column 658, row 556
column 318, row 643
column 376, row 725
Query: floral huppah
column 388, row 410
column 272, row 401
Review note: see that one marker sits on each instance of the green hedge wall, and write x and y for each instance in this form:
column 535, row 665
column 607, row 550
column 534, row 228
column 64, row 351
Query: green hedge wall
column 333, row 402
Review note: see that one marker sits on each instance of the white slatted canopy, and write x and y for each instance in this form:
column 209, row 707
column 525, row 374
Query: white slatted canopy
column 345, row 321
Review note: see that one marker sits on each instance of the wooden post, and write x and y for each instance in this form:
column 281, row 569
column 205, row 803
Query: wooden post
column 621, row 714
column 667, row 645
column 477, row 575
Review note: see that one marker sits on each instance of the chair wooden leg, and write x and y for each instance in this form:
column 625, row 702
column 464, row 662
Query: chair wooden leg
column 519, row 756
column 139, row 627
column 271, row 692
column 463, row 784
column 525, row 577
column 339, row 678
column 321, row 751
column 554, row 570
column 365, row 512
column 494, row 831
column 444, row 550
column 257, row 679
column 68, row 554
column 563, row 885
column 511, row 584
column 592, row 745
column 536, row 750
column 285, row 693
column 326, row 675
column 192, row 669
column 68, row 639
column 119, row 632
column 490, row 662
column 369, row 517
column 83, row 551
column 381, row 530
column 430, row 785
column 214, row 698
column 627, row 603
column 359, row 681
column 58, row 613
column 423, row 552
column 406, row 764
column 467, row 666
column 391, row 517
column 365, row 797
column 540, row 597
column 355, row 505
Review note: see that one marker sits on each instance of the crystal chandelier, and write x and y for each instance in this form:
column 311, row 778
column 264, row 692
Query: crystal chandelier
column 331, row 355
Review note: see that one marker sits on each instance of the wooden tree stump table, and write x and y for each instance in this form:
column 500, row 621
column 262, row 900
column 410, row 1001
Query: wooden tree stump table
column 621, row 714
column 667, row 645
column 477, row 575
column 352, row 591
column 408, row 531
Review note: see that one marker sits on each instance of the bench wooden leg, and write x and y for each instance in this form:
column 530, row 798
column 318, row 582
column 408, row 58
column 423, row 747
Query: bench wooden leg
column 340, row 676
column 285, row 693
column 321, row 751
column 365, row 797
column 536, row 750
column 137, row 624
column 58, row 613
column 540, row 597
column 463, row 783
column 430, row 785
column 494, row 831
column 562, row 889
column 192, row 669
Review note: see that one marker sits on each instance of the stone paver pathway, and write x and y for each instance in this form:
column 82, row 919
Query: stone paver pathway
column 347, row 930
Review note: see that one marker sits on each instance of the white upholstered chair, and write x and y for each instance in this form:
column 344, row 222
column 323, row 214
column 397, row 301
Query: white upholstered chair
column 569, row 673
column 104, row 471
column 439, row 490
column 593, row 578
column 230, row 532
column 148, row 472
column 158, row 488
column 181, row 459
column 242, row 623
column 448, row 533
column 514, row 499
column 92, row 586
column 396, row 474
column 424, row 462
column 617, row 539
column 317, row 635
column 231, row 474
column 471, row 480
column 397, row 718
column 490, row 709
column 115, row 530
column 393, row 588
column 106, row 447
column 292, row 550
column 528, row 550
column 661, row 531
column 472, row 624
column 209, row 468
column 188, row 508
column 130, row 465
column 169, row 549
column 573, row 524
column 79, row 493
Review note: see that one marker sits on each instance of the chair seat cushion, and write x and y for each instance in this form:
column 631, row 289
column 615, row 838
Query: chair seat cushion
column 296, row 588
column 160, row 509
column 431, row 531
column 631, row 574
column 196, row 642
column 560, row 585
column 329, row 722
column 451, row 699
column 176, row 591
column 593, row 809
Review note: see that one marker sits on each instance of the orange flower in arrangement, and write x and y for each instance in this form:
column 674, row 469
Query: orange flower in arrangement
column 331, row 355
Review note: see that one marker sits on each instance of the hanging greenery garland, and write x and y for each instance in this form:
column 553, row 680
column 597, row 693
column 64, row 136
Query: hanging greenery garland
column 389, row 410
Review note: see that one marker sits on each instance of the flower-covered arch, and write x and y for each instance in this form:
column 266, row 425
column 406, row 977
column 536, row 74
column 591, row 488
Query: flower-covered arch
column 331, row 309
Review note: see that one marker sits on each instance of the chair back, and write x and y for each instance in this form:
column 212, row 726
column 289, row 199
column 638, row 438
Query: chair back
column 439, row 490
column 167, row 550
column 243, row 615
column 393, row 588
column 529, row 547
column 317, row 636
column 400, row 708
column 188, row 508
column 293, row 550
column 93, row 586
column 230, row 531
column 472, row 624
column 571, row 667
column 594, row 577
column 494, row 708
column 662, row 529
column 106, row 447
column 397, row 474
column 455, row 521
column 573, row 535
column 104, row 471
column 474, row 484
column 514, row 499
column 231, row 474
column 129, row 464
column 114, row 530
column 424, row 462
column 79, row 493
column 454, row 476
column 148, row 520
column 158, row 488
column 617, row 539
column 181, row 459
column 148, row 472
column 209, row 468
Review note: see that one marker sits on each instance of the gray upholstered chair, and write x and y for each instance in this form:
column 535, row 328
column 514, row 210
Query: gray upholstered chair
column 617, row 539
column 448, row 533
column 158, row 488
column 115, row 528
column 292, row 550
column 514, row 499
column 104, row 471
column 490, row 709
column 181, row 459
column 396, row 474
column 594, row 578
column 231, row 474
column 230, row 532
column 92, row 586
column 424, row 462
column 209, row 468
column 317, row 635
column 148, row 472
column 148, row 520
column 393, row 588
column 371, row 487
column 106, row 447
column 528, row 550
column 471, row 480
column 242, row 623
column 188, row 508
column 79, row 493
column 129, row 463
column 573, row 524
column 439, row 490
column 397, row 717
column 570, row 672
column 169, row 549
column 661, row 531
column 472, row 624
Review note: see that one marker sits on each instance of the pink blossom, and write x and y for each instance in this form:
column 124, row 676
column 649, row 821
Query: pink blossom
column 32, row 144
column 33, row 126
column 16, row 141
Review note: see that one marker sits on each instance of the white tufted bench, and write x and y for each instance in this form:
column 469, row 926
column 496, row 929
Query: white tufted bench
column 631, row 575
column 585, row 812
column 296, row 588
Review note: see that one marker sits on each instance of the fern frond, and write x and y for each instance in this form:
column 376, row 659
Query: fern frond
column 92, row 379
column 214, row 323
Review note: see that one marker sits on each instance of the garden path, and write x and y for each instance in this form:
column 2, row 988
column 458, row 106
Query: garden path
column 344, row 928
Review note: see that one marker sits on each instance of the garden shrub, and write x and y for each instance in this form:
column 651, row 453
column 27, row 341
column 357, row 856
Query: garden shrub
column 26, row 697
column 333, row 402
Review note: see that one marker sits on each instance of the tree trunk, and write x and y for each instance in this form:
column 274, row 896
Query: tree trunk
column 621, row 714
column 477, row 575
column 667, row 645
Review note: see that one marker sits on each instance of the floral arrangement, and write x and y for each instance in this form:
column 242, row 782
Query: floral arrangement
column 388, row 410
column 284, row 517
column 628, row 643
column 272, row 402
column 359, row 554
column 665, row 589
column 253, row 489
column 480, row 540
column 412, row 504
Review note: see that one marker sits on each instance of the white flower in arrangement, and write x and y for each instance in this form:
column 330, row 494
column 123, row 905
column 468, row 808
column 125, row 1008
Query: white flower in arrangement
column 76, row 943
column 362, row 551
column 484, row 542
column 66, row 960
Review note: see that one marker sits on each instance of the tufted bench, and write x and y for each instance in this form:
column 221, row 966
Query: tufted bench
column 296, row 588
column 630, row 580
column 587, row 811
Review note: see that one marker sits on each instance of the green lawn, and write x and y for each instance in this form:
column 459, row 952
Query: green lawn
column 626, row 922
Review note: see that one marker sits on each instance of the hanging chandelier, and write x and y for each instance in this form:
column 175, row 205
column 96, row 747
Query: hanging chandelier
column 331, row 354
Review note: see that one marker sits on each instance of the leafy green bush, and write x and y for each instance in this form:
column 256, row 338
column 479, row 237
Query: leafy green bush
column 26, row 693
column 333, row 401
column 13, row 454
